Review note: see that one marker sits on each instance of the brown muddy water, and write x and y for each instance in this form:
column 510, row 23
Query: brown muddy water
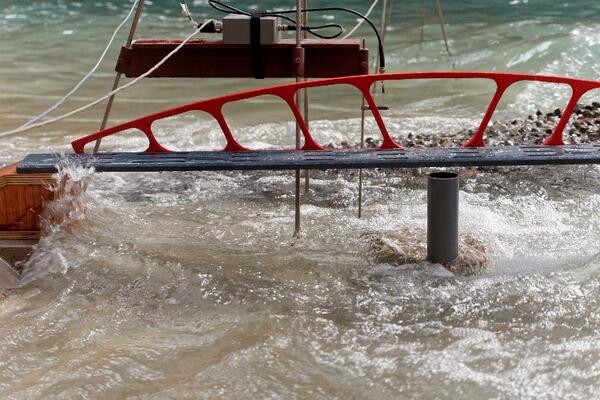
column 190, row 285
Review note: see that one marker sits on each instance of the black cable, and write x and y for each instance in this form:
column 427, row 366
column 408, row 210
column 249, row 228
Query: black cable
column 348, row 10
column 312, row 29
column 226, row 8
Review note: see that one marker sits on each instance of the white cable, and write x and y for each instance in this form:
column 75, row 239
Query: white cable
column 369, row 11
column 100, row 100
column 88, row 75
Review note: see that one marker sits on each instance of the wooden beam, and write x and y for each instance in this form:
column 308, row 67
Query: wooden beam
column 212, row 59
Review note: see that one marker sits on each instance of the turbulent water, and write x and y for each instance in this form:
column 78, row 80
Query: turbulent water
column 190, row 285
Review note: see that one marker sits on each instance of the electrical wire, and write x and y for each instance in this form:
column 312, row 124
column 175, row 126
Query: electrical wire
column 350, row 11
column 226, row 8
column 59, row 103
column 114, row 92
column 33, row 123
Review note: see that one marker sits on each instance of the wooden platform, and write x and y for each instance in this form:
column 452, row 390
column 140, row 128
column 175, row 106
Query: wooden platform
column 213, row 59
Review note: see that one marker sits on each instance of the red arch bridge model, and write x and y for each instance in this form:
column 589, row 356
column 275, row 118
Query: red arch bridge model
column 313, row 156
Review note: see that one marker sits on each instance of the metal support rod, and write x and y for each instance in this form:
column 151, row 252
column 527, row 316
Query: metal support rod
column 306, row 172
column 382, row 31
column 362, row 145
column 440, row 14
column 384, row 23
column 442, row 217
column 360, row 171
column 390, row 11
column 111, row 99
column 299, row 69
column 306, row 99
column 422, row 23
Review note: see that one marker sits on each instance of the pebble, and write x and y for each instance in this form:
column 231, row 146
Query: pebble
column 584, row 127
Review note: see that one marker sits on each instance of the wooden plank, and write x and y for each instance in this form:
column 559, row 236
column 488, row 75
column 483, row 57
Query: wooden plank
column 10, row 177
column 22, row 199
column 18, row 243
column 20, row 235
column 23, row 209
column 30, row 221
column 213, row 59
column 11, row 208
column 3, row 206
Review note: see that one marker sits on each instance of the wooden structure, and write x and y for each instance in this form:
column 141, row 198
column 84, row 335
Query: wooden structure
column 22, row 199
column 212, row 59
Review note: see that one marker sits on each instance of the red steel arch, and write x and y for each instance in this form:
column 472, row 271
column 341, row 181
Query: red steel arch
column 363, row 83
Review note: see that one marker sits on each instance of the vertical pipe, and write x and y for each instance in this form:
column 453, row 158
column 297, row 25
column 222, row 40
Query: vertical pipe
column 111, row 99
column 442, row 217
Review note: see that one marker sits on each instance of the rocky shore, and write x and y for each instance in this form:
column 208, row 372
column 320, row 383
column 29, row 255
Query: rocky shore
column 584, row 127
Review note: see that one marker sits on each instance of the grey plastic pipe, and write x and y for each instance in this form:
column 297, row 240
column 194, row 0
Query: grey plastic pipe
column 442, row 217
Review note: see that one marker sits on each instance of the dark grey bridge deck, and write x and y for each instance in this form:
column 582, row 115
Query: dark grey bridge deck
column 328, row 159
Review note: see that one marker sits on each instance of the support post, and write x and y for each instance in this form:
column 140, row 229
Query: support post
column 111, row 99
column 442, row 217
column 422, row 24
column 306, row 101
column 299, row 72
column 362, row 145
column 442, row 20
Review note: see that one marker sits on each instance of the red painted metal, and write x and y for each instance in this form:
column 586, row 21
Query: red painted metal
column 363, row 83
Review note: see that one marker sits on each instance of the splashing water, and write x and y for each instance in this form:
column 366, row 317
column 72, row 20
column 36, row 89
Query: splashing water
column 60, row 217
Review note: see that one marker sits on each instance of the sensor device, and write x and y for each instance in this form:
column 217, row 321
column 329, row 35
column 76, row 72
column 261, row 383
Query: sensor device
column 236, row 30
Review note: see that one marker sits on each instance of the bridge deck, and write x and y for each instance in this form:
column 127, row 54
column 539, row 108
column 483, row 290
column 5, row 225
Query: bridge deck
column 333, row 159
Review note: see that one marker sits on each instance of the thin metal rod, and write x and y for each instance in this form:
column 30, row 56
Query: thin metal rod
column 306, row 100
column 107, row 111
column 306, row 172
column 297, row 220
column 382, row 31
column 362, row 144
column 383, row 25
column 360, row 171
column 390, row 10
column 440, row 14
column 422, row 23
column 132, row 30
column 386, row 13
